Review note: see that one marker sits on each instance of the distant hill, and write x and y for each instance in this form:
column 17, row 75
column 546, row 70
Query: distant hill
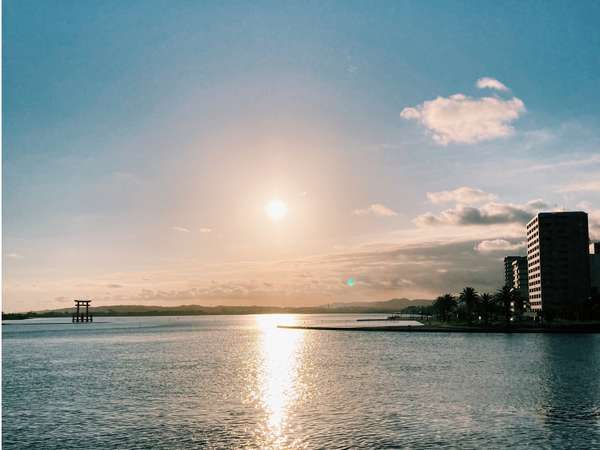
column 393, row 305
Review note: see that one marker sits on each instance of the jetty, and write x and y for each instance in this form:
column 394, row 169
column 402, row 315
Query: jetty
column 562, row 329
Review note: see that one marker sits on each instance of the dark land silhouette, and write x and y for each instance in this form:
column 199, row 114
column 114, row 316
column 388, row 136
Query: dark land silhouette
column 388, row 306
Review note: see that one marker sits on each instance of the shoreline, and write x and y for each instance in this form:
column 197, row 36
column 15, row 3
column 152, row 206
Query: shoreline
column 570, row 329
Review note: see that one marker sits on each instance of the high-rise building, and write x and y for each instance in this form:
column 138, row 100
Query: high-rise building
column 595, row 268
column 520, row 280
column 558, row 260
column 515, row 274
column 508, row 269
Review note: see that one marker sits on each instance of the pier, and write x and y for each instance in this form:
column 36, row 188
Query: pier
column 79, row 316
column 562, row 329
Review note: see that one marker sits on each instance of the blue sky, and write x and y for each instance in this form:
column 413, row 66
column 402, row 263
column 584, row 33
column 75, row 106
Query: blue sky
column 143, row 139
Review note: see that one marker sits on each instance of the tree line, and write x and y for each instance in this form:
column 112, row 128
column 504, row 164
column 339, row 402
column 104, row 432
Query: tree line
column 506, row 304
column 470, row 306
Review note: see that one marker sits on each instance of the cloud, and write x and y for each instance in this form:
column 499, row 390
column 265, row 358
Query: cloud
column 498, row 245
column 465, row 195
column 489, row 214
column 421, row 270
column 187, row 230
column 594, row 224
column 114, row 286
column 14, row 256
column 463, row 119
column 376, row 209
column 491, row 83
column 563, row 164
column 583, row 186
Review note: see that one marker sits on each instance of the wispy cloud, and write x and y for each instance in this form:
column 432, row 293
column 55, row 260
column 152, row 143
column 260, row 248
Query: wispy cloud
column 565, row 164
column 465, row 195
column 388, row 271
column 583, row 186
column 14, row 256
column 491, row 83
column 498, row 245
column 463, row 119
column 376, row 209
column 205, row 230
column 594, row 220
column 180, row 229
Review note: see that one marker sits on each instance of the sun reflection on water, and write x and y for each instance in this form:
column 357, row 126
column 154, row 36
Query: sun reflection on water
column 279, row 388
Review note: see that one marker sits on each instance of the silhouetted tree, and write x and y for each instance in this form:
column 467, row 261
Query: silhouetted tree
column 518, row 304
column 592, row 306
column 444, row 305
column 487, row 306
column 504, row 297
column 469, row 298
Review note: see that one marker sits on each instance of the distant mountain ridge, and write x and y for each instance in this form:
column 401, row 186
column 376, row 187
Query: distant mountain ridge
column 386, row 306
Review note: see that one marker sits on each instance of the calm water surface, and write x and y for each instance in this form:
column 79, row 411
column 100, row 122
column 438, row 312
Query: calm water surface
column 239, row 382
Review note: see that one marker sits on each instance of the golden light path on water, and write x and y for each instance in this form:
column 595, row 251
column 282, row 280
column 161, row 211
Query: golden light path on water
column 281, row 352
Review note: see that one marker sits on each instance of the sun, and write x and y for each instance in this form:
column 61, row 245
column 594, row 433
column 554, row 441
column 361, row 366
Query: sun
column 276, row 210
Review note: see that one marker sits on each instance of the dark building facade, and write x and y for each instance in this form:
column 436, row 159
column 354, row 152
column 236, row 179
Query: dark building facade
column 515, row 274
column 558, row 261
column 595, row 268
column 520, row 277
column 508, row 269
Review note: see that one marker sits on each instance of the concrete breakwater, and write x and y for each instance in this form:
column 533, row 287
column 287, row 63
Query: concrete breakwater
column 581, row 328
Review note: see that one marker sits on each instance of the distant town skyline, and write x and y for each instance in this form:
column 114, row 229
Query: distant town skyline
column 266, row 154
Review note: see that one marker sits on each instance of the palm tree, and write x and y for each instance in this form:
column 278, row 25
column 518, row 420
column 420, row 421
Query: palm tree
column 444, row 305
column 487, row 306
column 469, row 298
column 504, row 297
column 518, row 304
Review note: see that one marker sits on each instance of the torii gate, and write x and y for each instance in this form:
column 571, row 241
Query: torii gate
column 80, row 317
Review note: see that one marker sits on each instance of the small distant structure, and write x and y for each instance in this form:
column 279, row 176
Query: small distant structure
column 82, row 317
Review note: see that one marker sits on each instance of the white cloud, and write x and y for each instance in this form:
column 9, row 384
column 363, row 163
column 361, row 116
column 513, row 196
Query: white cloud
column 563, row 164
column 491, row 83
column 491, row 213
column 584, row 186
column 187, row 230
column 14, row 256
column 376, row 209
column 498, row 245
column 584, row 206
column 594, row 224
column 464, row 119
column 465, row 195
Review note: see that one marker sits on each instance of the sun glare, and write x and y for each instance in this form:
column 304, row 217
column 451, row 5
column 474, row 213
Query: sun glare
column 276, row 210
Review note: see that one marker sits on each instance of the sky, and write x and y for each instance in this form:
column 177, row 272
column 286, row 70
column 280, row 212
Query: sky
column 406, row 143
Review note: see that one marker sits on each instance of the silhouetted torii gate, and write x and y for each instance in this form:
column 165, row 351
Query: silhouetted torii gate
column 87, row 317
